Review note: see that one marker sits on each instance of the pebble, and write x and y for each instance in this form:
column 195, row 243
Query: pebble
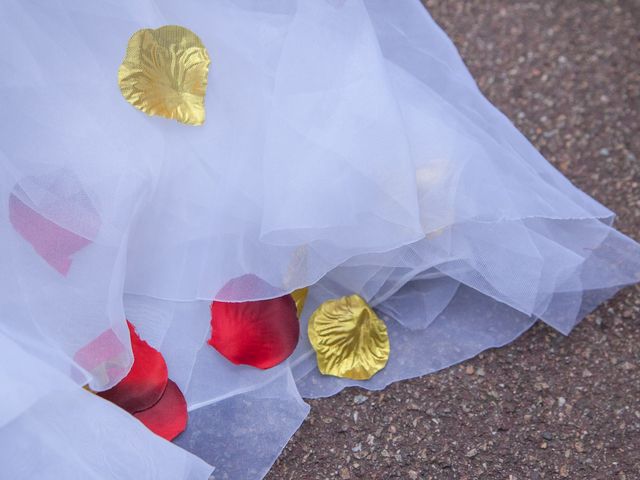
column 360, row 399
column 628, row 366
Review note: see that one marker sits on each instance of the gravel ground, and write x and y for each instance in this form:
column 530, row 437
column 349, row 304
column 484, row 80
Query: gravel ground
column 567, row 72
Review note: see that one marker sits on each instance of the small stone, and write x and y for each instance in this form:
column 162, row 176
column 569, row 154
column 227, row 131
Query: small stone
column 480, row 372
column 469, row 370
column 544, row 445
column 413, row 475
column 561, row 401
column 345, row 474
column 539, row 386
column 360, row 399
column 547, row 436
column 471, row 453
column 579, row 447
column 586, row 373
column 564, row 471
column 627, row 366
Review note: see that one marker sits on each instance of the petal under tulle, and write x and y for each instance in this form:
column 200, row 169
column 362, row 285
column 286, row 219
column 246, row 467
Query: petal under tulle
column 261, row 333
column 146, row 381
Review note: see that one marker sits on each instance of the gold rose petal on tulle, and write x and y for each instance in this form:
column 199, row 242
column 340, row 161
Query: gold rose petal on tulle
column 300, row 297
column 164, row 73
column 349, row 339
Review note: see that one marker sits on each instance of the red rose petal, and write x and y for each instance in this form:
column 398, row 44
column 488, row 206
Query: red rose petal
column 52, row 242
column 146, row 381
column 168, row 417
column 261, row 333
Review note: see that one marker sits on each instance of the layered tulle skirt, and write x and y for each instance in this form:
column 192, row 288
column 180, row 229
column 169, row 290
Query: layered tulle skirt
column 345, row 148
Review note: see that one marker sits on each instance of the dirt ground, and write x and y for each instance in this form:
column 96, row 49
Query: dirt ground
column 567, row 72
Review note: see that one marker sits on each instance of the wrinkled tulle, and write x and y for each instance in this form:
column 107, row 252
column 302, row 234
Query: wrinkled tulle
column 346, row 147
column 51, row 429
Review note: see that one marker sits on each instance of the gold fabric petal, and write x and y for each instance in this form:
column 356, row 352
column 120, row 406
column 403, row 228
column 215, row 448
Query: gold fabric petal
column 349, row 339
column 300, row 297
column 164, row 73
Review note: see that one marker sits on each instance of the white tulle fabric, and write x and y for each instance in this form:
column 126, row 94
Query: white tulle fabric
column 346, row 147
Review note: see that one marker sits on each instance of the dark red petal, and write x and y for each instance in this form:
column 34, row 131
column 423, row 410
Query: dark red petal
column 146, row 381
column 52, row 242
column 168, row 417
column 261, row 333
